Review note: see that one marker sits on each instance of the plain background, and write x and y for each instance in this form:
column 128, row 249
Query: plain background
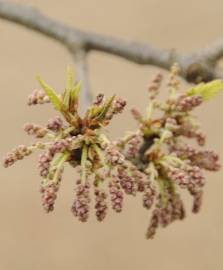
column 30, row 239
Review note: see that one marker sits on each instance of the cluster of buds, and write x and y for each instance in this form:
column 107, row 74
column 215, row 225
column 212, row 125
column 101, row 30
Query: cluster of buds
column 127, row 182
column 55, row 124
column 49, row 195
column 187, row 129
column 119, row 105
column 116, row 195
column 35, row 130
column 81, row 207
column 61, row 145
column 116, row 108
column 205, row 159
column 165, row 213
column 81, row 143
column 186, row 103
column 149, row 195
column 153, row 87
column 131, row 148
column 162, row 155
column 44, row 163
column 17, row 154
column 38, row 97
column 100, row 204
column 153, row 161
column 113, row 156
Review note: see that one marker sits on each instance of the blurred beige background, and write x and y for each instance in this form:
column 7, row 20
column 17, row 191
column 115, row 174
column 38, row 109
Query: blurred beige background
column 30, row 239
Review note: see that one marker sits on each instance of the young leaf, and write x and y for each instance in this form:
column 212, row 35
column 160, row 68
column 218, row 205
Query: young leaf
column 54, row 99
column 206, row 90
column 74, row 97
column 93, row 111
column 69, row 87
column 106, row 107
column 75, row 90
column 66, row 98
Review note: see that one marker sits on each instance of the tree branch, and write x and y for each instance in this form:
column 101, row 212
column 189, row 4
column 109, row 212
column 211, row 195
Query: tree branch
column 195, row 66
column 73, row 38
column 80, row 61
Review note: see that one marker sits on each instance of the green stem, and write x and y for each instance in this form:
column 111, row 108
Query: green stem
column 59, row 166
column 38, row 145
column 162, row 187
column 100, row 154
column 153, row 171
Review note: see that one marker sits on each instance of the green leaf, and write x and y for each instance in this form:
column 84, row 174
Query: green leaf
column 66, row 98
column 53, row 97
column 74, row 97
column 106, row 107
column 75, row 90
column 69, row 87
column 206, row 90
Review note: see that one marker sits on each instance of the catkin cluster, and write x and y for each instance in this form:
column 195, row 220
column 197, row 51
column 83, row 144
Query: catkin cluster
column 154, row 161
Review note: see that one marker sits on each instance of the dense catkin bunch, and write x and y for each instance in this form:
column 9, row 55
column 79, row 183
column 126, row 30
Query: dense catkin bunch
column 153, row 161
column 161, row 153
column 81, row 142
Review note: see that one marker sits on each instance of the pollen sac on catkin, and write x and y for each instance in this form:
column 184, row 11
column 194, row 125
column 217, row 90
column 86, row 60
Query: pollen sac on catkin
column 155, row 161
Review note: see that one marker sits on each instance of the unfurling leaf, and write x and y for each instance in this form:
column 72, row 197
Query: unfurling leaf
column 75, row 90
column 74, row 97
column 69, row 87
column 53, row 97
column 206, row 90
column 71, row 93
column 106, row 107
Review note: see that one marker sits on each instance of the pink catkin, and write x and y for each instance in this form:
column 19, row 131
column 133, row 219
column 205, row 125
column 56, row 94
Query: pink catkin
column 37, row 97
column 100, row 204
column 48, row 194
column 116, row 195
column 81, row 204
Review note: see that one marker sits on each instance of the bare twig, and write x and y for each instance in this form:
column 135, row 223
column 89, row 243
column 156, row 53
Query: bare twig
column 80, row 61
column 76, row 39
column 195, row 66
